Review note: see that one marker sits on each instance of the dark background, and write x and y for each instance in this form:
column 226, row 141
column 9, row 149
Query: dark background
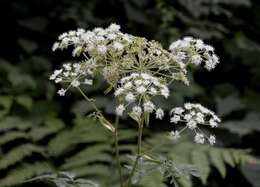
column 41, row 132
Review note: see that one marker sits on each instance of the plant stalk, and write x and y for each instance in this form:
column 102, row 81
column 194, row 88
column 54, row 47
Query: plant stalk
column 117, row 150
column 139, row 151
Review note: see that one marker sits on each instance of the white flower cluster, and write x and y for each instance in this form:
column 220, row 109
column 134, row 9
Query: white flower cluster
column 136, row 91
column 194, row 51
column 75, row 74
column 193, row 115
column 97, row 41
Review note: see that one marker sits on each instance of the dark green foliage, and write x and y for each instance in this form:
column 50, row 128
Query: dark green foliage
column 64, row 179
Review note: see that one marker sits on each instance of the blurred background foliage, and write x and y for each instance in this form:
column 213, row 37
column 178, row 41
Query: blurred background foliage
column 42, row 133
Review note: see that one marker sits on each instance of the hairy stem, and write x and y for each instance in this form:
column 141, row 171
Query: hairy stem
column 139, row 150
column 89, row 100
column 100, row 116
column 117, row 150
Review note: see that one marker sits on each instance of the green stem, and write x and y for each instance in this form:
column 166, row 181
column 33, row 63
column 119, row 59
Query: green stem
column 89, row 100
column 117, row 151
column 139, row 149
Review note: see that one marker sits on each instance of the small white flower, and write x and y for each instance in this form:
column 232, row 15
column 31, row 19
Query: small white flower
column 192, row 124
column 111, row 36
column 128, row 85
column 55, row 46
column 88, row 81
column 67, row 66
column 130, row 97
column 61, row 92
column 141, row 89
column 174, row 135
column 212, row 139
column 187, row 117
column 77, row 51
column 118, row 46
column 114, row 27
column 100, row 38
column 175, row 119
column 55, row 74
column 177, row 110
column 199, row 44
column 66, row 73
column 200, row 119
column 75, row 83
column 209, row 48
column 188, row 106
column 57, row 80
column 149, row 107
column 138, row 82
column 120, row 109
column 119, row 91
column 213, row 123
column 153, row 91
column 199, row 138
column 127, row 38
column 146, row 76
column 102, row 49
column 196, row 59
column 159, row 113
column 165, row 92
column 136, row 112
column 180, row 56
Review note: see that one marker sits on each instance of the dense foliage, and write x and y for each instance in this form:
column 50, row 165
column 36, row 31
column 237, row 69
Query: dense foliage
column 41, row 132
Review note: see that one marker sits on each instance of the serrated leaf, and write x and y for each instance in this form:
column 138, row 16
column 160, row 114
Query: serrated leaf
column 20, row 174
column 11, row 136
column 184, row 181
column 5, row 105
column 217, row 161
column 200, row 160
column 19, row 153
column 228, row 158
column 24, row 101
column 51, row 126
column 228, row 105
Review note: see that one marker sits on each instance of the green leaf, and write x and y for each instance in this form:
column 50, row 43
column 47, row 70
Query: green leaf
column 20, row 174
column 28, row 45
column 13, row 122
column 51, row 126
column 200, row 160
column 11, row 136
column 185, row 181
column 18, row 154
column 217, row 161
column 5, row 105
column 249, row 124
column 22, row 80
column 228, row 104
column 228, row 158
column 24, row 101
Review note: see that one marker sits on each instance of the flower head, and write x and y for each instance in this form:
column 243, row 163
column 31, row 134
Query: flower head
column 193, row 116
column 138, row 89
column 194, row 51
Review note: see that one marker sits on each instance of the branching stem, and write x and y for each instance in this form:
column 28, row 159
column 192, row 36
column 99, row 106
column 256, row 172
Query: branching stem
column 117, row 150
column 139, row 150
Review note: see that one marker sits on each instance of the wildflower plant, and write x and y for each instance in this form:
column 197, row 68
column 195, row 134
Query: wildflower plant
column 136, row 71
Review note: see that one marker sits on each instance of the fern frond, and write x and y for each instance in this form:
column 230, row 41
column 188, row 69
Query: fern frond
column 18, row 154
column 200, row 159
column 11, row 136
column 13, row 122
column 96, row 153
column 51, row 126
column 25, row 171
column 217, row 161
